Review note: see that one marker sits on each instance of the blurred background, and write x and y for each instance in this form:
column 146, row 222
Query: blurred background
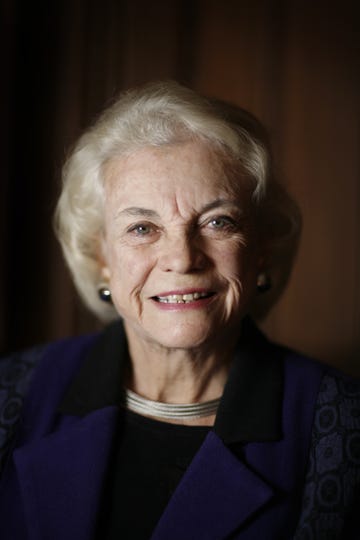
column 293, row 63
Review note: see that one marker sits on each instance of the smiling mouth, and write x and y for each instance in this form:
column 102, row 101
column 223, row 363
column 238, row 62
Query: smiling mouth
column 183, row 298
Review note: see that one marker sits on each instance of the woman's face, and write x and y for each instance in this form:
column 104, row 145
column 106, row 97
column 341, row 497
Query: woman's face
column 180, row 249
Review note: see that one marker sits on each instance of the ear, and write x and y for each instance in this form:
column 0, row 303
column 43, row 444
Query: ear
column 264, row 251
column 105, row 273
column 261, row 262
column 103, row 260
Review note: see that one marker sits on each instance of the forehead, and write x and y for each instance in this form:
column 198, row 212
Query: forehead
column 191, row 169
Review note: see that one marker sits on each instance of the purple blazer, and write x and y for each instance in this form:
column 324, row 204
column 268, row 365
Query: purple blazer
column 305, row 484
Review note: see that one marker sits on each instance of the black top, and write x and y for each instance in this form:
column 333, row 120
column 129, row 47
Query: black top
column 149, row 457
column 148, row 462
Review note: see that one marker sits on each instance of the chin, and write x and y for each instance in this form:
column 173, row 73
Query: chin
column 180, row 338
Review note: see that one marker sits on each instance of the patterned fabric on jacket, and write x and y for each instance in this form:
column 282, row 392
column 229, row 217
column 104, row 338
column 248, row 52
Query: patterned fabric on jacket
column 331, row 494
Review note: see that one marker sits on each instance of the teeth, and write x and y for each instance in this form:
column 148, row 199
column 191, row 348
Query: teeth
column 181, row 298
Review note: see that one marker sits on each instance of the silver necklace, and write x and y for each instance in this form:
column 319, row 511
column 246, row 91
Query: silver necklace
column 141, row 405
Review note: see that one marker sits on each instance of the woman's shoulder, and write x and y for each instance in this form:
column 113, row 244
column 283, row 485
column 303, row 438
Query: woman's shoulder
column 16, row 371
column 300, row 362
column 331, row 488
column 332, row 398
column 332, row 480
column 300, row 369
column 42, row 366
column 336, row 389
column 17, row 368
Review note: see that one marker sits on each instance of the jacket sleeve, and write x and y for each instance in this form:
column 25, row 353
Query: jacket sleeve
column 331, row 495
column 15, row 376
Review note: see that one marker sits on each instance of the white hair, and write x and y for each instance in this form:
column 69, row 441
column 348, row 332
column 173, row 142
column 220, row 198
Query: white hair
column 154, row 115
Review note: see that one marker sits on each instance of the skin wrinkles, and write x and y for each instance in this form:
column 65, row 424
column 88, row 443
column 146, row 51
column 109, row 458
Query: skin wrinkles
column 145, row 212
column 174, row 221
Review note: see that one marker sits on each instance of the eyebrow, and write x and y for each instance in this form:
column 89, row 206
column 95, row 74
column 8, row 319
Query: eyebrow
column 219, row 202
column 135, row 211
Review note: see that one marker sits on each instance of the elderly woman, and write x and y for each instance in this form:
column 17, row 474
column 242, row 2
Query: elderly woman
column 180, row 420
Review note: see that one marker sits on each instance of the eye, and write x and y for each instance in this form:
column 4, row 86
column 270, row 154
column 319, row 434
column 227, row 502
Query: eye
column 222, row 223
column 141, row 229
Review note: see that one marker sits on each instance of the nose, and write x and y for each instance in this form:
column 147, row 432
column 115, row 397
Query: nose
column 182, row 253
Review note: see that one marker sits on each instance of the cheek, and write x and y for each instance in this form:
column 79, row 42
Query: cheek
column 239, row 271
column 233, row 260
column 128, row 269
column 238, row 267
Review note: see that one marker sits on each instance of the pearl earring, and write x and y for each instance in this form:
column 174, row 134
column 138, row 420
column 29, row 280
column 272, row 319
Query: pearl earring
column 104, row 293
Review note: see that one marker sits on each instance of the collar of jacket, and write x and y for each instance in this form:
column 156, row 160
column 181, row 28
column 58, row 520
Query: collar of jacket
column 251, row 403
column 61, row 457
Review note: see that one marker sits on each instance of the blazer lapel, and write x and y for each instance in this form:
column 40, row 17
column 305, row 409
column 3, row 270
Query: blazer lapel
column 61, row 476
column 217, row 494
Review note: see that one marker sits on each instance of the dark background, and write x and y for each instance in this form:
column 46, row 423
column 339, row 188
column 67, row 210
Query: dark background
column 295, row 64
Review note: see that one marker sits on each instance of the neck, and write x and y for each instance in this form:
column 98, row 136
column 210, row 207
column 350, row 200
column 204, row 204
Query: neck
column 177, row 375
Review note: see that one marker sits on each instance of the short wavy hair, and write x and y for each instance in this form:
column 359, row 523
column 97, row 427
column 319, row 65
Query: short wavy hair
column 159, row 114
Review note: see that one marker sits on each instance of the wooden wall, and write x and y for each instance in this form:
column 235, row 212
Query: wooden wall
column 293, row 63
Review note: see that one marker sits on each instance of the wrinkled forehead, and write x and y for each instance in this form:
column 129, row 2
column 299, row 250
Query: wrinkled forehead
column 184, row 166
